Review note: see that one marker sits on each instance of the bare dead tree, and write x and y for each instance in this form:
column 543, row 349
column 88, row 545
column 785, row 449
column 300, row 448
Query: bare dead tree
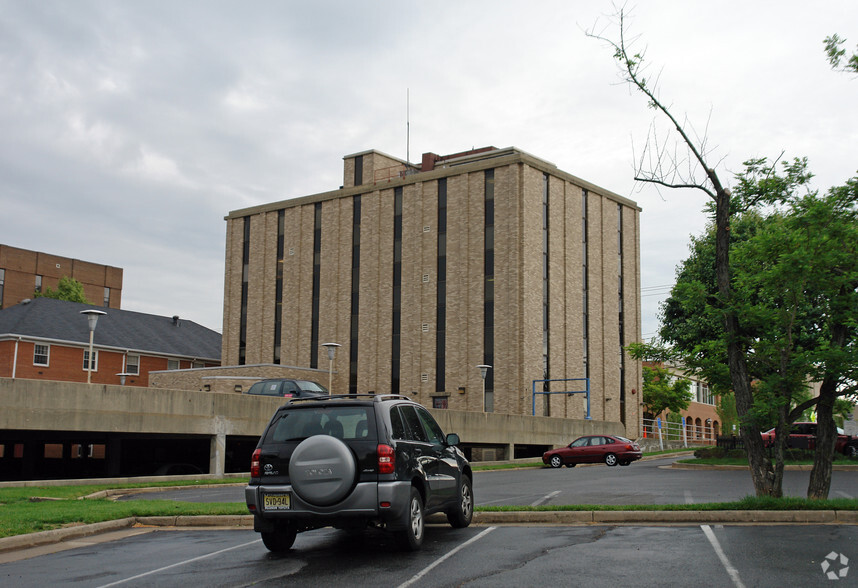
column 686, row 165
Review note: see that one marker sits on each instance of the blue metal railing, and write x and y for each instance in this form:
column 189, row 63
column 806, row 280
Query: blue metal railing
column 586, row 391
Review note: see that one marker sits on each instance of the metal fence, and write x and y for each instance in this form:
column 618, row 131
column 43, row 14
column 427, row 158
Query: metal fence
column 664, row 431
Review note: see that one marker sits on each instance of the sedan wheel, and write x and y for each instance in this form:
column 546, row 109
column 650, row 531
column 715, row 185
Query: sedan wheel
column 611, row 459
column 852, row 450
column 555, row 461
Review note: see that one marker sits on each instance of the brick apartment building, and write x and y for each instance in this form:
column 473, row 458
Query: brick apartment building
column 24, row 272
column 47, row 339
column 423, row 272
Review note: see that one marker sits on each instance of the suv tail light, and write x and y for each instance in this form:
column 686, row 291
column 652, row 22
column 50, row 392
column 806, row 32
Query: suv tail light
column 255, row 470
column 386, row 459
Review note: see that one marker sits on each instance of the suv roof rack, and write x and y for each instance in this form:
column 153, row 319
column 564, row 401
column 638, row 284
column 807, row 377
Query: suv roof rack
column 373, row 397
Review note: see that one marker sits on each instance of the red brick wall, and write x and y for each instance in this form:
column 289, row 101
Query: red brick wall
column 66, row 364
column 22, row 266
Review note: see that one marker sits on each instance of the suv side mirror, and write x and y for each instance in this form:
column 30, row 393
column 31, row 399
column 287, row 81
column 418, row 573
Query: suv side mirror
column 452, row 439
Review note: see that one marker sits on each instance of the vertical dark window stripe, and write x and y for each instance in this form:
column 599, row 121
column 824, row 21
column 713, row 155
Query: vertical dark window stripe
column 585, row 286
column 278, row 293
column 358, row 170
column 395, row 350
column 441, row 291
column 546, row 340
column 245, row 278
column 355, row 304
column 489, row 293
column 621, row 318
column 317, row 273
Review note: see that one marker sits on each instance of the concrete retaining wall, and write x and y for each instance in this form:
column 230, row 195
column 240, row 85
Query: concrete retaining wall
column 39, row 405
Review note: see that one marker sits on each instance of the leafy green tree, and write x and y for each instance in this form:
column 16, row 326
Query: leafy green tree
column 67, row 289
column 795, row 274
column 662, row 391
column 836, row 55
column 726, row 409
column 687, row 165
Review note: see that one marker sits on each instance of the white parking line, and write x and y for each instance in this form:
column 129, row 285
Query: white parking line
column 446, row 556
column 180, row 563
column 844, row 495
column 731, row 571
column 545, row 498
column 688, row 498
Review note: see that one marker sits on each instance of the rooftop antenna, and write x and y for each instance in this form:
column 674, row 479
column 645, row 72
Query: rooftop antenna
column 408, row 125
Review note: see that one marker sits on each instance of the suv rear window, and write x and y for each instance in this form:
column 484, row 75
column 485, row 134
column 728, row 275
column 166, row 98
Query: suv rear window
column 343, row 422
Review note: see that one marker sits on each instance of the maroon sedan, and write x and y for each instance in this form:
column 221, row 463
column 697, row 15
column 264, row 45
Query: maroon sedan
column 611, row 449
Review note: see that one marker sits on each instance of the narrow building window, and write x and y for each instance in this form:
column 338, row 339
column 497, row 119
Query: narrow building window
column 621, row 318
column 546, row 366
column 38, row 284
column 395, row 359
column 358, row 170
column 245, row 277
column 278, row 284
column 317, row 276
column 355, row 304
column 2, row 282
column 585, row 288
column 106, row 296
column 441, row 291
column 489, row 280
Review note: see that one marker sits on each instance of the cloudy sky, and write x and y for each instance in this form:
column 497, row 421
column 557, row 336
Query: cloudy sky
column 128, row 130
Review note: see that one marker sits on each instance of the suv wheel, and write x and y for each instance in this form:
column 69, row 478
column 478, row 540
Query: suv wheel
column 411, row 537
column 461, row 514
column 281, row 540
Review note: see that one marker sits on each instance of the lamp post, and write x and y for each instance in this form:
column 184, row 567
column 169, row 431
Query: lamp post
column 332, row 352
column 484, row 369
column 92, row 319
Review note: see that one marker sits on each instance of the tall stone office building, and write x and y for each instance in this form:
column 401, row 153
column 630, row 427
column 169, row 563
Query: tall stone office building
column 423, row 272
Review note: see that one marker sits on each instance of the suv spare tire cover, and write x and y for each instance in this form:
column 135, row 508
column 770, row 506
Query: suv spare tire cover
column 322, row 470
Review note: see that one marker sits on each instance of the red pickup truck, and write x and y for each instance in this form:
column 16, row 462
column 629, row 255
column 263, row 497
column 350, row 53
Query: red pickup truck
column 803, row 436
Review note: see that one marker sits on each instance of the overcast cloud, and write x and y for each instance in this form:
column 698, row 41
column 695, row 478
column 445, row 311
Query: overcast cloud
column 128, row 130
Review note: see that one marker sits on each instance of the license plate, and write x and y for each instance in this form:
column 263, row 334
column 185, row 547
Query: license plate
column 276, row 502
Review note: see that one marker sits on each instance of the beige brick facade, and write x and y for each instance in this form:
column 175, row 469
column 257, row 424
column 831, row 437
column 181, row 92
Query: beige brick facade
column 518, row 283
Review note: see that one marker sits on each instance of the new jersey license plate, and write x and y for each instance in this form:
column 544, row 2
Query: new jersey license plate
column 276, row 501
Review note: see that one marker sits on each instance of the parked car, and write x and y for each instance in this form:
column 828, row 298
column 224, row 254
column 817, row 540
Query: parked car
column 803, row 436
column 353, row 462
column 287, row 388
column 611, row 449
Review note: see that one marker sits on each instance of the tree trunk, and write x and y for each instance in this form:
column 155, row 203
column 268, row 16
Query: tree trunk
column 826, row 437
column 762, row 474
column 826, row 432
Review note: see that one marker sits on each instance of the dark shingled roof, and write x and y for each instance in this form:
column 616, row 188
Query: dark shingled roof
column 61, row 321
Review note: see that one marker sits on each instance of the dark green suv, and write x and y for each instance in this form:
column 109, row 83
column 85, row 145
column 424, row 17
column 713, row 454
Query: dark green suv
column 355, row 461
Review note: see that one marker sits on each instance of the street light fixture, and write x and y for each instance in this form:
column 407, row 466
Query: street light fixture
column 484, row 369
column 92, row 318
column 332, row 352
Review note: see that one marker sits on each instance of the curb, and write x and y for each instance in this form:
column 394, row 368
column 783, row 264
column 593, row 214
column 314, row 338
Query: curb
column 792, row 468
column 547, row 517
